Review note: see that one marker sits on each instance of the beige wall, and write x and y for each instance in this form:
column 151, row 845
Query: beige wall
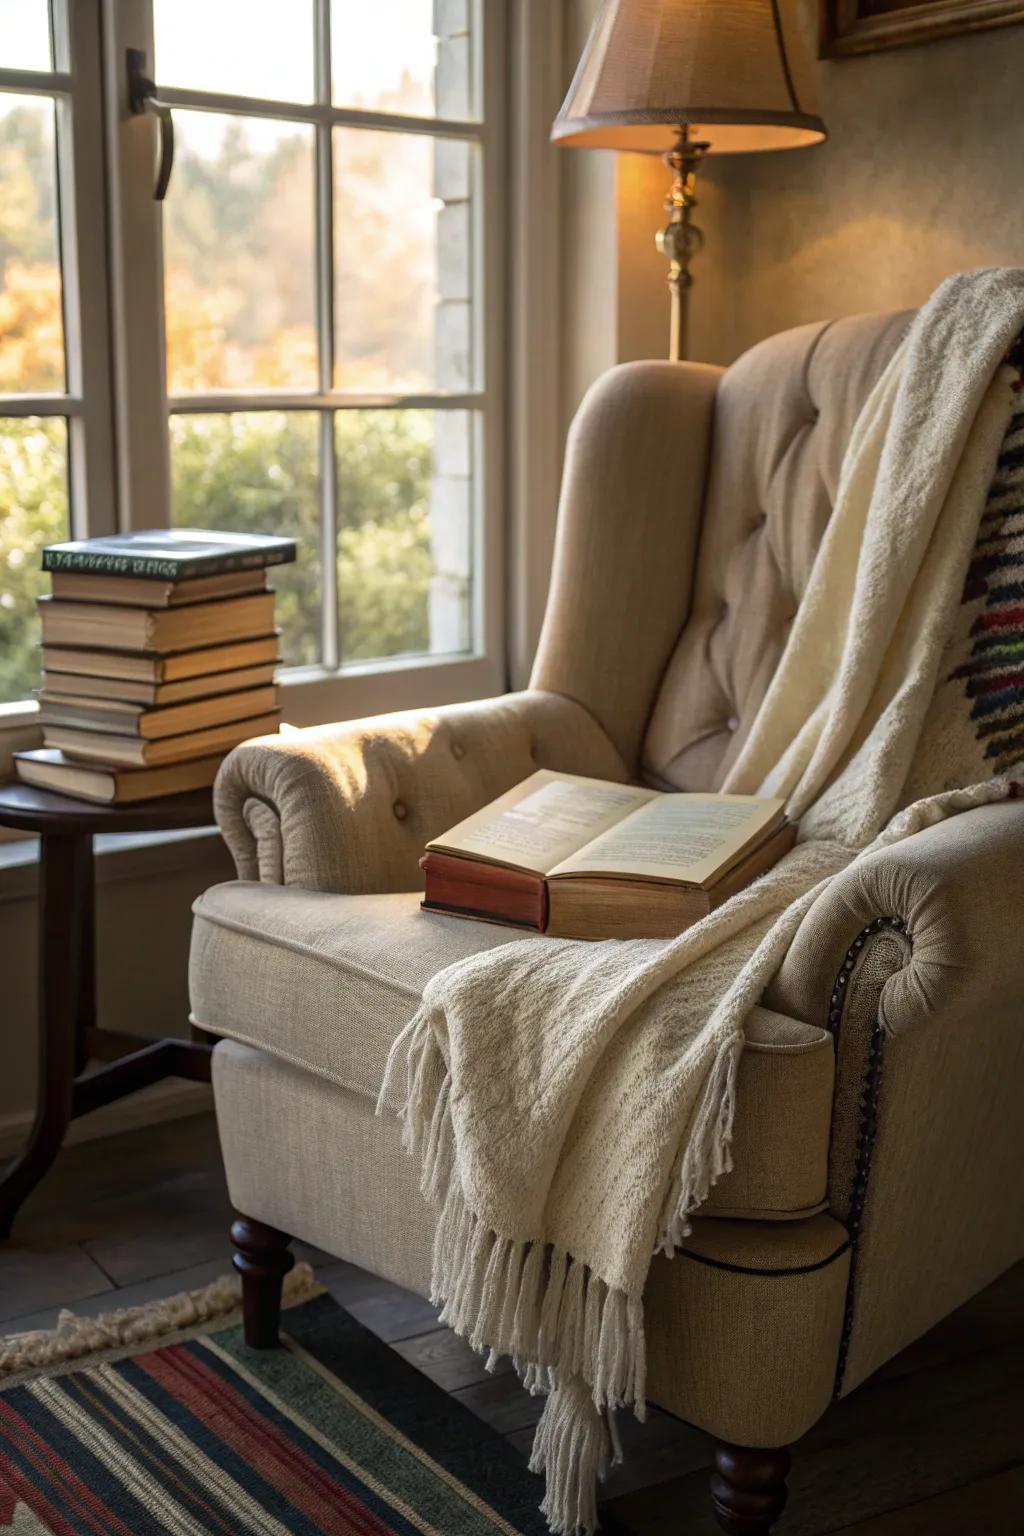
column 921, row 177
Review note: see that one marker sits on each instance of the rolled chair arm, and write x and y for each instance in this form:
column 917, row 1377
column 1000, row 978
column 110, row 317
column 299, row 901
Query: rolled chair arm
column 349, row 807
column 913, row 959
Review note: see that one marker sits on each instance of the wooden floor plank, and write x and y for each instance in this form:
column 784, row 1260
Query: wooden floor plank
column 503, row 1403
column 44, row 1277
column 446, row 1359
column 392, row 1313
column 994, row 1506
column 154, row 1289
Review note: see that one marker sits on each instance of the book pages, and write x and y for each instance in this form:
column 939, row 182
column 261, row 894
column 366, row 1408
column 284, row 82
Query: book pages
column 543, row 820
column 684, row 838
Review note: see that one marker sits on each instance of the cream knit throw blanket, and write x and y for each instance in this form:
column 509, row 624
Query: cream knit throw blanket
column 572, row 1103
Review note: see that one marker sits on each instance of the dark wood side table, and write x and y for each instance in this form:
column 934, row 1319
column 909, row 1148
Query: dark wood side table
column 69, row 1037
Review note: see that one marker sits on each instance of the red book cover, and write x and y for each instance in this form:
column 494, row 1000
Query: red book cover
column 472, row 889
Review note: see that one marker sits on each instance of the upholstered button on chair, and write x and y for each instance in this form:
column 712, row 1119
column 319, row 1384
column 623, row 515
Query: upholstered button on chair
column 878, row 1155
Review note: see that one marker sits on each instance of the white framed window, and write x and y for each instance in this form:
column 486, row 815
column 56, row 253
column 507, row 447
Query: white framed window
column 307, row 333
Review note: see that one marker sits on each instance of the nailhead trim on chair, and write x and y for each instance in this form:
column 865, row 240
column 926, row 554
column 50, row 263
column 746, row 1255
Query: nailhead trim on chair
column 868, row 1121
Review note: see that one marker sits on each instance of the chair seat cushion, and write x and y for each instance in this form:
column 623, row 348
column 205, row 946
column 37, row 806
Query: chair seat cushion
column 326, row 982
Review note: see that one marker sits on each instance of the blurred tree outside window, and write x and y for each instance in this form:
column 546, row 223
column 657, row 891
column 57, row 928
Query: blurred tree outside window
column 33, row 450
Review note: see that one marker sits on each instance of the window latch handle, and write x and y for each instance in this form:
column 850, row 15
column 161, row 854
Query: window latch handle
column 143, row 98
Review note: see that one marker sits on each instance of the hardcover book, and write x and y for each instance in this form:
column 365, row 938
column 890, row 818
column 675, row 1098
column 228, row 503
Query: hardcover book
column 104, row 784
column 98, row 691
column 119, row 627
column 123, row 718
column 584, row 858
column 169, row 554
column 135, row 752
column 147, row 667
column 149, row 592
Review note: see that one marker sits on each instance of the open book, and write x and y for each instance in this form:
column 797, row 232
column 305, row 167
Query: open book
column 584, row 858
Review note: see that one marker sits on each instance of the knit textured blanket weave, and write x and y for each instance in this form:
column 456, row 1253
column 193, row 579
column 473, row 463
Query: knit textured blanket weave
column 572, row 1103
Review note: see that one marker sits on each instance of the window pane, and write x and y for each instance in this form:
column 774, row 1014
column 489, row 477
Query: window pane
column 237, row 47
column 408, row 56
column 33, row 512
column 403, row 270
column 31, row 326
column 257, row 472
column 405, row 554
column 25, row 34
column 240, row 255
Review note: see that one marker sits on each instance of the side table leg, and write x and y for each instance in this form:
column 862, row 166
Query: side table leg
column 85, row 896
column 63, row 861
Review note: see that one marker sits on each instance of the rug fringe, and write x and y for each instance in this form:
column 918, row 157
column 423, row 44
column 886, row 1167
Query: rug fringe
column 79, row 1338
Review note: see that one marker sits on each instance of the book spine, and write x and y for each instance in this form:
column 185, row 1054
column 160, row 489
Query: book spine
column 83, row 562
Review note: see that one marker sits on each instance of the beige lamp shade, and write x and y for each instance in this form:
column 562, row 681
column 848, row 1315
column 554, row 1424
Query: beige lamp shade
column 717, row 66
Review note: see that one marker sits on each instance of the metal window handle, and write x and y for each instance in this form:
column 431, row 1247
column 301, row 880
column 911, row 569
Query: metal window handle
column 143, row 98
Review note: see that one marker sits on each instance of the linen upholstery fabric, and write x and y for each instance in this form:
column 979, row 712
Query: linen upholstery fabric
column 628, row 522
column 783, row 417
column 304, row 1155
column 349, row 807
column 327, row 982
column 945, row 1171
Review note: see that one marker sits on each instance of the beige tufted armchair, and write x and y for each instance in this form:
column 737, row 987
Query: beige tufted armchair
column 878, row 1175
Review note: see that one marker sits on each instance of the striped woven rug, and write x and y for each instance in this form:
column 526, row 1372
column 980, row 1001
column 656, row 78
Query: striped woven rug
column 333, row 1433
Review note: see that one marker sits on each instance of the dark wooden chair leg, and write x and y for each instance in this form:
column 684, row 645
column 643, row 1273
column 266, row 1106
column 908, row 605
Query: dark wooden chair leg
column 748, row 1489
column 262, row 1259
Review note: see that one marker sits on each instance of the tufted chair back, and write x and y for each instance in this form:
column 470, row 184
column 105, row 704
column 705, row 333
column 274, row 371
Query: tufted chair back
column 782, row 418
column 694, row 500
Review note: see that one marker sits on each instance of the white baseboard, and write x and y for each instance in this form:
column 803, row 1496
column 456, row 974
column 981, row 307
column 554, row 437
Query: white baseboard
column 163, row 1101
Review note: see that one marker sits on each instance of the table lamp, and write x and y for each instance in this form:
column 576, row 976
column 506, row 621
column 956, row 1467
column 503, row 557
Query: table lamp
column 685, row 78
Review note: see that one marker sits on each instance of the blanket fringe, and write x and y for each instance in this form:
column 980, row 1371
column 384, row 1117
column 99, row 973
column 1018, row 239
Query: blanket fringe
column 574, row 1449
column 707, row 1147
column 569, row 1334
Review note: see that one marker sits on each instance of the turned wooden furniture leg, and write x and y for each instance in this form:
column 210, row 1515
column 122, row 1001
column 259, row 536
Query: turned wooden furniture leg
column 748, row 1489
column 262, row 1259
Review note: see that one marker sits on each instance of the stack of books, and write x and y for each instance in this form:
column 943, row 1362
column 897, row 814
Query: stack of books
column 159, row 651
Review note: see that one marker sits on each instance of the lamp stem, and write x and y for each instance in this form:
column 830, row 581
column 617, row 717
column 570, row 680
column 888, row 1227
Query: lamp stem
column 680, row 240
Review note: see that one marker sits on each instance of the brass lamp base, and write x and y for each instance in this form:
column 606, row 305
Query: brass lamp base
column 680, row 240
